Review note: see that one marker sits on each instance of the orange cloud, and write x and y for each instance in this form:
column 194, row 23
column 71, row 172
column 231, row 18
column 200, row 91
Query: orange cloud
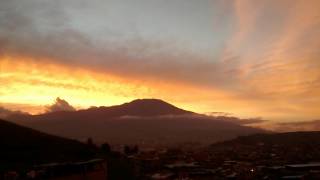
column 38, row 83
column 269, row 66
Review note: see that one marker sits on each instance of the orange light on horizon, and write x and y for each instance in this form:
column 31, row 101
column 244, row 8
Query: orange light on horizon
column 30, row 85
column 37, row 84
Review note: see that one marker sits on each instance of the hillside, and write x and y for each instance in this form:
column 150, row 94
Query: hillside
column 145, row 121
column 283, row 139
column 24, row 146
column 292, row 147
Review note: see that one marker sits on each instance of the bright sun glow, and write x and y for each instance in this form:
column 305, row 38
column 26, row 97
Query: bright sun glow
column 31, row 83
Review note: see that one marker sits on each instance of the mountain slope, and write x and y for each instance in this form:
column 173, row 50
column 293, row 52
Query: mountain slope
column 21, row 145
column 291, row 147
column 283, row 139
column 145, row 121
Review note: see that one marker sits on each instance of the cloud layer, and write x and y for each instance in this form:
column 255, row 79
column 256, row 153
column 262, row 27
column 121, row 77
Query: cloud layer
column 313, row 125
column 4, row 113
column 248, row 57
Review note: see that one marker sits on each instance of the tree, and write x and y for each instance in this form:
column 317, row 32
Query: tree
column 135, row 149
column 105, row 148
column 91, row 144
column 127, row 150
column 131, row 150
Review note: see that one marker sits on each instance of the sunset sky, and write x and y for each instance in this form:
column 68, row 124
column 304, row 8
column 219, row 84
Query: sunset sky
column 250, row 58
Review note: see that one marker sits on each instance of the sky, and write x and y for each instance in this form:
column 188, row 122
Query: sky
column 245, row 57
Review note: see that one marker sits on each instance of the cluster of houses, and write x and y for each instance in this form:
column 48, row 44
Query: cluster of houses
column 184, row 165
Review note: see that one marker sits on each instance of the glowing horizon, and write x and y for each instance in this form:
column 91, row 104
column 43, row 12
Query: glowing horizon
column 248, row 58
column 83, row 88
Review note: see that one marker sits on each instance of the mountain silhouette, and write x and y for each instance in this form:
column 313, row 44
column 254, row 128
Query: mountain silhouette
column 139, row 108
column 142, row 121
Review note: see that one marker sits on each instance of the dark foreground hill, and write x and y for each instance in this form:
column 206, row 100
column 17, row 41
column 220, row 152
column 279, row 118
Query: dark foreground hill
column 143, row 122
column 21, row 146
column 279, row 139
column 278, row 148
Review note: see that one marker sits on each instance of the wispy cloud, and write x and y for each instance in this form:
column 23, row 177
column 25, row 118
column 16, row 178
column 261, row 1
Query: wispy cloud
column 313, row 125
column 265, row 60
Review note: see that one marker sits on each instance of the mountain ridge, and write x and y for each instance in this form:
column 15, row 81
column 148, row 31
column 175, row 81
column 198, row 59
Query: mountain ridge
column 138, row 107
column 141, row 121
column 23, row 145
column 289, row 147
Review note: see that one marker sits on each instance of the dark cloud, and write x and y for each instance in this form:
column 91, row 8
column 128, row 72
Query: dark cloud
column 219, row 114
column 252, row 121
column 241, row 121
column 260, row 67
column 230, row 119
column 5, row 113
column 313, row 125
column 46, row 35
column 60, row 105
